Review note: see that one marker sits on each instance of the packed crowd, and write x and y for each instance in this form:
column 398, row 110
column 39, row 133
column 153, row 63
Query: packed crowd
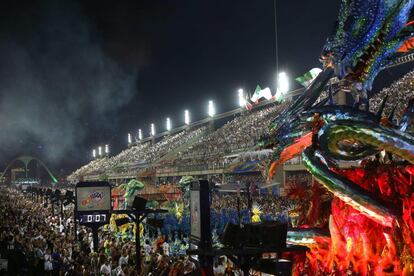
column 208, row 152
column 271, row 207
column 240, row 182
column 240, row 134
column 37, row 242
column 138, row 155
column 399, row 93
column 298, row 178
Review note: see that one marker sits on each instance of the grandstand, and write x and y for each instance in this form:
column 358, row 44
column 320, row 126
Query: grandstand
column 203, row 149
column 209, row 150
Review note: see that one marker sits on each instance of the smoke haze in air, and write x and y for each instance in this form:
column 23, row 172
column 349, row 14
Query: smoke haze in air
column 55, row 80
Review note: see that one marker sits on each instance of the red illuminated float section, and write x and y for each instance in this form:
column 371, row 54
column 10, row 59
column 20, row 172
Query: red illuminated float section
column 358, row 245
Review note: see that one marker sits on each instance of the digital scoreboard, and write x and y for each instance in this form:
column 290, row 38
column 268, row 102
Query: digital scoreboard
column 93, row 203
column 94, row 218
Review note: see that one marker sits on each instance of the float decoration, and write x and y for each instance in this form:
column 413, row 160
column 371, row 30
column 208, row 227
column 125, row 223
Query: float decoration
column 371, row 223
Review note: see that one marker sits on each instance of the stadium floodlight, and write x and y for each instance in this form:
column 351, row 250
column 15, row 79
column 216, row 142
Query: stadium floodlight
column 100, row 151
column 139, row 134
column 129, row 138
column 94, row 153
column 186, row 117
column 168, row 124
column 106, row 148
column 152, row 130
column 242, row 100
column 211, row 109
column 283, row 83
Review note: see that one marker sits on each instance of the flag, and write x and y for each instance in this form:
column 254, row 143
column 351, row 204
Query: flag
column 308, row 78
column 261, row 93
column 248, row 106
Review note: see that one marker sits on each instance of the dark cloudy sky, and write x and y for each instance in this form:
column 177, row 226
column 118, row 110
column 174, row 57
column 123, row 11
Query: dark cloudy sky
column 77, row 74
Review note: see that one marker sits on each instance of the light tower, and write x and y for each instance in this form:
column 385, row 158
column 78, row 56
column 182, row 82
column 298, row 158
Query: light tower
column 242, row 100
column 168, row 124
column 129, row 139
column 283, row 83
column 211, row 113
column 187, row 117
column 211, row 109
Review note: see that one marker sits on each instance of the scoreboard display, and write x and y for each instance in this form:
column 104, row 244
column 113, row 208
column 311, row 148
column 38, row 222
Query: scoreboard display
column 93, row 203
column 94, row 218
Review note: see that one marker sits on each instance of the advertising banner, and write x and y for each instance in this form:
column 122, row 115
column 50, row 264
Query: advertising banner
column 93, row 198
column 195, row 214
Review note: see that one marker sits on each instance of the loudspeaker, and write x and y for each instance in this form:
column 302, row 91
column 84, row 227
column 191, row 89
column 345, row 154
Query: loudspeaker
column 121, row 221
column 139, row 203
column 273, row 234
column 252, row 235
column 266, row 234
column 232, row 235
column 282, row 267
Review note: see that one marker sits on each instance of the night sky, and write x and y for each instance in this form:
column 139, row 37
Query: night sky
column 77, row 74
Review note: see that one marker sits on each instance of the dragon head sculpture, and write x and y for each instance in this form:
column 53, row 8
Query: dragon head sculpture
column 370, row 34
column 368, row 37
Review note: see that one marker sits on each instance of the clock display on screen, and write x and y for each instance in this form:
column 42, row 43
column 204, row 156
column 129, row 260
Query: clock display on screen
column 94, row 218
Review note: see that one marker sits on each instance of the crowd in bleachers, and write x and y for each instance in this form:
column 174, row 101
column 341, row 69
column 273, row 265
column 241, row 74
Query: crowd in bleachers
column 238, row 135
column 298, row 178
column 399, row 93
column 270, row 205
column 136, row 155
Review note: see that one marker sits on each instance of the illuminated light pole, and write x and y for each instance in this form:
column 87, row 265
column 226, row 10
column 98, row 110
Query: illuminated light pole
column 106, row 149
column 129, row 138
column 139, row 134
column 186, row 117
column 283, row 82
column 242, row 100
column 152, row 130
column 100, row 151
column 94, row 153
column 211, row 109
column 168, row 124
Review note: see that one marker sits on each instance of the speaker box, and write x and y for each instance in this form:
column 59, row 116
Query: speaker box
column 139, row 203
column 121, row 221
column 282, row 267
column 232, row 235
column 265, row 234
column 273, row 234
column 252, row 235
